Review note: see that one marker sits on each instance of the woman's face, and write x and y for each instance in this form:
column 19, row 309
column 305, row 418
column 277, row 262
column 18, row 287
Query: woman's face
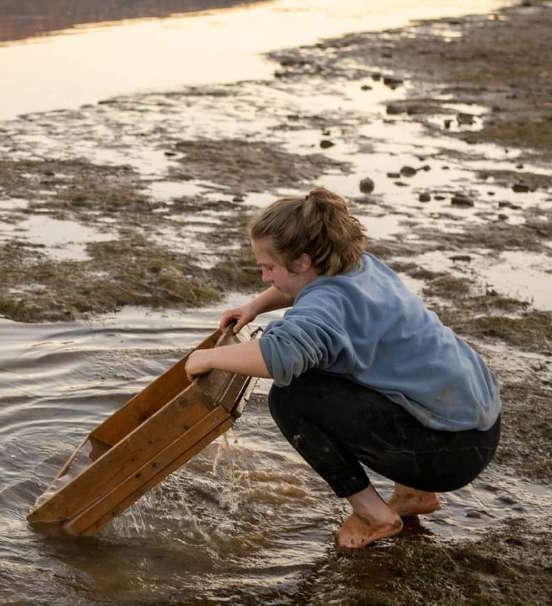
column 275, row 273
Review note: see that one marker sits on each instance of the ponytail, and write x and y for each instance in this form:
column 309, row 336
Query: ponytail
column 319, row 225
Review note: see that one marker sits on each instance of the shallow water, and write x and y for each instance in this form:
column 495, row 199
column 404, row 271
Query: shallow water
column 102, row 60
column 244, row 521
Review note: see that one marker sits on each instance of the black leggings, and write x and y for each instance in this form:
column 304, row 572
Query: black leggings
column 336, row 424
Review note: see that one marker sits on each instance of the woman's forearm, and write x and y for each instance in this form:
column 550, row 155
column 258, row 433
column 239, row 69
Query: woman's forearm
column 242, row 358
column 271, row 299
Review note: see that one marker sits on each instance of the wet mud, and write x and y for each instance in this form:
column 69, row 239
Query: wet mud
column 456, row 145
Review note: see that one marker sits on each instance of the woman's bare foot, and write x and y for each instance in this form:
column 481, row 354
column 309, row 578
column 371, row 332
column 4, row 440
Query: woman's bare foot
column 357, row 532
column 407, row 501
column 371, row 520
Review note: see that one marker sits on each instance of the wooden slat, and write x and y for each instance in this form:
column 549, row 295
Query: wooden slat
column 157, row 431
column 146, row 403
column 96, row 517
column 124, row 458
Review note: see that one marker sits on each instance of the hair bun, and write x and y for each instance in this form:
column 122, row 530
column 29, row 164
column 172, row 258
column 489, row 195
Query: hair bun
column 322, row 196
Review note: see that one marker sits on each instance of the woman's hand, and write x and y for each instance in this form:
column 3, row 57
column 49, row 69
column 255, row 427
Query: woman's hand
column 198, row 363
column 241, row 315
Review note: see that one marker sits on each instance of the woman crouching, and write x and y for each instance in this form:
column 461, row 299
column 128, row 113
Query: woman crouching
column 364, row 373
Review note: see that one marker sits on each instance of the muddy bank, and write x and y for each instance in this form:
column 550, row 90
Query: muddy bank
column 501, row 61
column 418, row 571
column 135, row 265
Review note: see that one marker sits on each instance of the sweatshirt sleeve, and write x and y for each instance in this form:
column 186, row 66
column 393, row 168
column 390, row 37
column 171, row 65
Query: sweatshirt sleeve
column 309, row 336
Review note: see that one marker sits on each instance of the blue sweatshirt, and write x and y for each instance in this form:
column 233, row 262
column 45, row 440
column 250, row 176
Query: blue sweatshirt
column 367, row 326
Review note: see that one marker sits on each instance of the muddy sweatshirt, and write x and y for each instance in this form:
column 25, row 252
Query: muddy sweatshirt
column 367, row 326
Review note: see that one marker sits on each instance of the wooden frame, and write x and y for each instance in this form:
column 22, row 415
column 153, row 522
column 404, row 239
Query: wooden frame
column 149, row 437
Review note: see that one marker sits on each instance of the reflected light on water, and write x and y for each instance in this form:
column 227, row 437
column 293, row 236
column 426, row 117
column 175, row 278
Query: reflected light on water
column 96, row 62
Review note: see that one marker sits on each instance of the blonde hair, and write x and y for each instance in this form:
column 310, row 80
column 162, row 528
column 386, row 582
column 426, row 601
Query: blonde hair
column 319, row 225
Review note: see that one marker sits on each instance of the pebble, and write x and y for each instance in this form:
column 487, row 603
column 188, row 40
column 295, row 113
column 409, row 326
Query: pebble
column 447, row 123
column 394, row 109
column 408, row 171
column 366, row 185
column 520, row 188
column 505, row 204
column 365, row 87
column 439, row 197
column 325, row 143
column 392, row 82
column 461, row 258
column 461, row 200
column 424, row 197
column 394, row 175
column 401, row 184
column 465, row 119
column 502, row 217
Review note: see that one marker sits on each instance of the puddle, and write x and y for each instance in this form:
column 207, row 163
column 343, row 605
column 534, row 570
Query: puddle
column 524, row 276
column 64, row 240
column 167, row 190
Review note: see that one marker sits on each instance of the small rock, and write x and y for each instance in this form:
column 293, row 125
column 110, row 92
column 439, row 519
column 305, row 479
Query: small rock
column 519, row 166
column 426, row 167
column 439, row 197
column 394, row 175
column 465, row 119
column 366, row 185
column 447, row 123
column 408, row 171
column 376, row 76
column 365, row 87
column 387, row 55
column 394, row 109
column 238, row 198
column 520, row 188
column 461, row 200
column 502, row 217
column 461, row 258
column 326, row 132
column 170, row 154
column 506, row 499
column 392, row 82
column 424, row 197
column 505, row 204
column 490, row 193
column 445, row 167
column 473, row 514
column 401, row 184
column 325, row 143
column 515, row 540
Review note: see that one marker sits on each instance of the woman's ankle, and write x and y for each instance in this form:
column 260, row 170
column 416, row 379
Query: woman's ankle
column 369, row 506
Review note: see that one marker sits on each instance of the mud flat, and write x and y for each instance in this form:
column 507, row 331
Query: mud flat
column 451, row 123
